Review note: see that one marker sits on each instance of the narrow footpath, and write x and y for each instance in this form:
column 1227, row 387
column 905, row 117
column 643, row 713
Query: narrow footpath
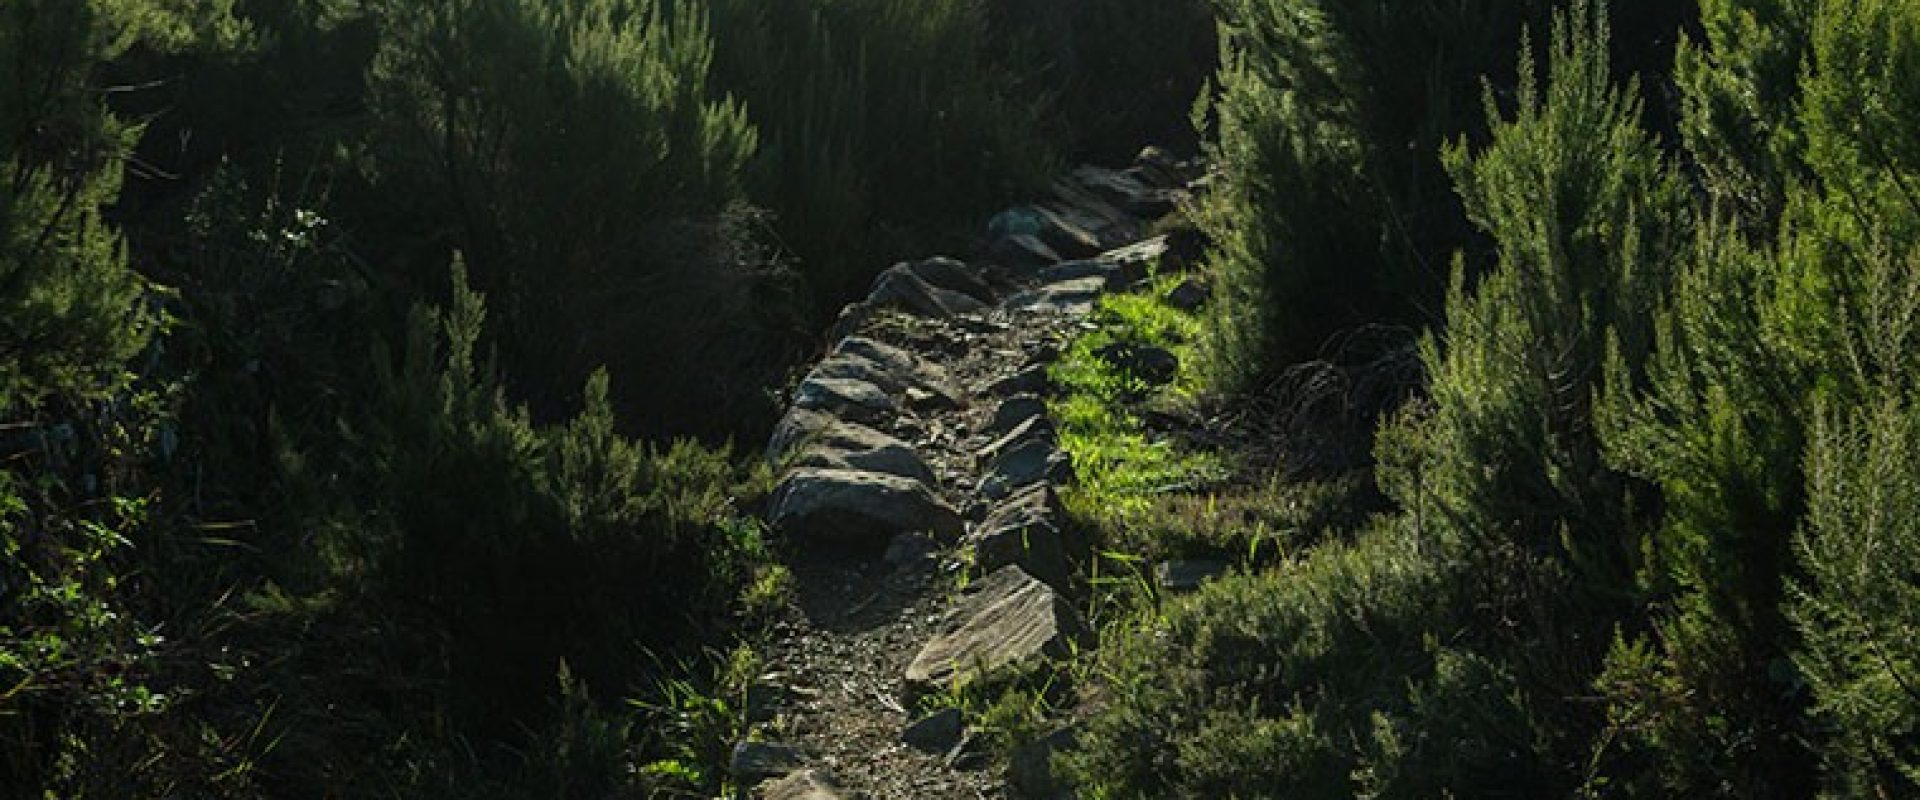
column 917, row 506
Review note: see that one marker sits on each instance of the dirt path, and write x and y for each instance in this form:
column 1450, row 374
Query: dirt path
column 941, row 365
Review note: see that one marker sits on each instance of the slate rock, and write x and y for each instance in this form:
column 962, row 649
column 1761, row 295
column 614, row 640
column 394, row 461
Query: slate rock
column 908, row 291
column 1029, row 529
column 1140, row 259
column 1085, row 268
column 1157, row 366
column 850, row 446
column 806, row 784
column 910, row 370
column 1023, row 253
column 753, row 762
column 1187, row 574
column 845, row 398
column 1030, row 769
column 853, row 507
column 1028, row 380
column 972, row 752
column 1039, row 427
column 911, row 548
column 794, row 430
column 935, row 733
column 1004, row 620
column 1190, row 295
column 1013, row 411
column 1071, row 297
column 1126, row 190
column 1033, row 460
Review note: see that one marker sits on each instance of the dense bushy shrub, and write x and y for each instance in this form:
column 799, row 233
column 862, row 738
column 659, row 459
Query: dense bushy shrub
column 562, row 143
column 1443, row 651
column 882, row 124
column 1333, row 206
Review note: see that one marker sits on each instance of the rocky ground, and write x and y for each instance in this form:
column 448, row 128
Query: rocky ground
column 917, row 503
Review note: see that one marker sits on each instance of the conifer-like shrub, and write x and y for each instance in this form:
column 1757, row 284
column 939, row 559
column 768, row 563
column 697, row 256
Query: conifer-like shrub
column 1333, row 207
column 560, row 144
column 884, row 126
column 1859, row 605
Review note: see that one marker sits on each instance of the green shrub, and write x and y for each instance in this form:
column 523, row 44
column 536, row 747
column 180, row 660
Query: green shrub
column 1856, row 606
column 884, row 127
column 564, row 146
column 1333, row 202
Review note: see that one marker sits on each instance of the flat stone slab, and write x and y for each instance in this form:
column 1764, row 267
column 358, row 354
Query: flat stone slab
column 846, row 398
column 1006, row 619
column 850, row 446
column 1070, row 297
column 908, row 369
column 909, row 291
column 854, row 507
column 1034, row 460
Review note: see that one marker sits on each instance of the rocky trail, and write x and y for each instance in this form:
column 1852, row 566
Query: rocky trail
column 918, row 508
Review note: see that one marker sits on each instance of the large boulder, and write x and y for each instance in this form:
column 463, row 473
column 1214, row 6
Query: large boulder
column 855, row 507
column 1005, row 620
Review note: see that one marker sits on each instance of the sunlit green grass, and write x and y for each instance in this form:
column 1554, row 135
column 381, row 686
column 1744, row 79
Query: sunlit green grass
column 1119, row 466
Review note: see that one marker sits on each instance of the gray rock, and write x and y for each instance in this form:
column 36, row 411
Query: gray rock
column 1013, row 411
column 806, row 784
column 1061, row 232
column 908, row 369
column 846, row 398
column 972, row 752
column 935, row 733
column 908, row 291
column 1030, row 769
column 858, row 507
column 1140, row 259
column 1038, row 427
column 1107, row 271
column 1071, row 297
column 1126, row 190
column 911, row 548
column 1023, row 253
column 799, row 426
column 850, row 446
column 1004, row 620
column 1029, row 380
column 753, row 762
column 944, row 273
column 1090, row 212
column 1029, row 529
column 1034, row 460
column 1187, row 574
column 1190, row 295
column 1157, row 366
